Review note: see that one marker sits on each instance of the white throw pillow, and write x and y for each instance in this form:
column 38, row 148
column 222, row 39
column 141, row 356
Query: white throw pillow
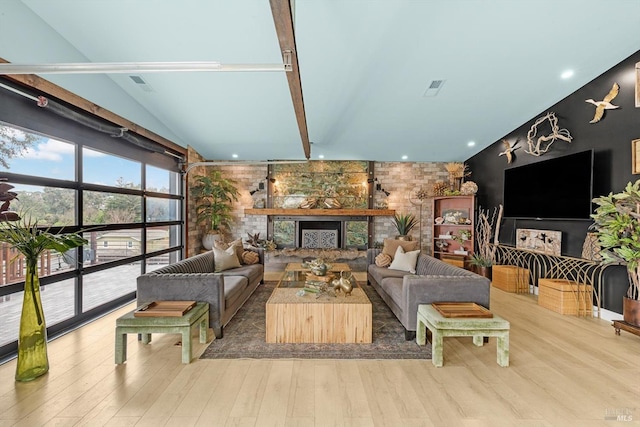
column 225, row 259
column 405, row 261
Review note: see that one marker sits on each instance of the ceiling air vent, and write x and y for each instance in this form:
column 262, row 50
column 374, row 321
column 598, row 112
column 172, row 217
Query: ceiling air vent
column 142, row 83
column 434, row 88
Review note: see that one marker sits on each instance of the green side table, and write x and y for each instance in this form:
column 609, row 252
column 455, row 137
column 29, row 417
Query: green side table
column 476, row 327
column 198, row 316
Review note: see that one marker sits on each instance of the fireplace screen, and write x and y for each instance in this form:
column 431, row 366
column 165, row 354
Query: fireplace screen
column 319, row 239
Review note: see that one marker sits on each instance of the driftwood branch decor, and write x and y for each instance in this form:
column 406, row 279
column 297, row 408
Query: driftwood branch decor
column 486, row 222
column 543, row 143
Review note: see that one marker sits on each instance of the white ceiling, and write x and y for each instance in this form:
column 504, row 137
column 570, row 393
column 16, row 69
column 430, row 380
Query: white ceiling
column 364, row 66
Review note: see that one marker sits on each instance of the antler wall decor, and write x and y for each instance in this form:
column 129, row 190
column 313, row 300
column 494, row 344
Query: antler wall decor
column 539, row 148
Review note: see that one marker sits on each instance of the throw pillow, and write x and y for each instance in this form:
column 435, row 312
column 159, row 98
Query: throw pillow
column 250, row 257
column 236, row 245
column 405, row 261
column 224, row 259
column 383, row 260
column 391, row 245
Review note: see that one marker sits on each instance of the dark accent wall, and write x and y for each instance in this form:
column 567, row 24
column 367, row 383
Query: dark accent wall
column 610, row 139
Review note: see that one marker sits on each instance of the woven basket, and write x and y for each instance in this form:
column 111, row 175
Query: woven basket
column 510, row 278
column 565, row 297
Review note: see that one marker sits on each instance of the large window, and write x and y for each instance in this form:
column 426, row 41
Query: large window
column 126, row 201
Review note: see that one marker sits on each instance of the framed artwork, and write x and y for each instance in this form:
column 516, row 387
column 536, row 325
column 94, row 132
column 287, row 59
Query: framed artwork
column 635, row 156
column 456, row 216
column 544, row 241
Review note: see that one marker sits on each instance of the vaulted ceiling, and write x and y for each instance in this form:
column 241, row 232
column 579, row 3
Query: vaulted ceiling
column 364, row 67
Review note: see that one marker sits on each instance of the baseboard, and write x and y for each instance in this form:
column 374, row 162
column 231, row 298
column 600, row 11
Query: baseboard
column 607, row 314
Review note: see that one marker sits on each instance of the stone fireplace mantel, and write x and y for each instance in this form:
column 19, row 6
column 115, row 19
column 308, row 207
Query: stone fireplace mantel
column 321, row 212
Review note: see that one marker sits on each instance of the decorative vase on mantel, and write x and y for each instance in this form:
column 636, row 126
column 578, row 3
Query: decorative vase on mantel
column 33, row 360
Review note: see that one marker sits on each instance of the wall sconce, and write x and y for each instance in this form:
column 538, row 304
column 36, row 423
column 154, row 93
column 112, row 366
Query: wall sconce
column 260, row 188
column 379, row 188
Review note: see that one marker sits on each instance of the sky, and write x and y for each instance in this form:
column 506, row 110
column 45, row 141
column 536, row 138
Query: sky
column 53, row 158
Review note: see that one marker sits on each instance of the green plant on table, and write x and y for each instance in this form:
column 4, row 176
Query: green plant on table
column 462, row 237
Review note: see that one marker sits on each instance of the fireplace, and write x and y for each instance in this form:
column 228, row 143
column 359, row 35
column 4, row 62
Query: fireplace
column 319, row 234
column 320, row 231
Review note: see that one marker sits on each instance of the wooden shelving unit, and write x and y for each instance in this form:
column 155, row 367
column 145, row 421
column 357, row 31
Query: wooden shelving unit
column 452, row 215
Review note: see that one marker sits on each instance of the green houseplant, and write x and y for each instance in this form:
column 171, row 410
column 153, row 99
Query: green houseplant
column 404, row 223
column 28, row 239
column 214, row 195
column 617, row 224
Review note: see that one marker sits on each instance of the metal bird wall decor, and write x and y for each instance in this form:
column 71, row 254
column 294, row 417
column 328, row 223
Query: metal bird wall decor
column 605, row 104
column 509, row 150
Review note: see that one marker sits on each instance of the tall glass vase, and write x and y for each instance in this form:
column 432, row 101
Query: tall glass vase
column 32, row 339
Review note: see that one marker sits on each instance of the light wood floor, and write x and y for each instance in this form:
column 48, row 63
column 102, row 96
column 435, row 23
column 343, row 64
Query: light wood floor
column 565, row 371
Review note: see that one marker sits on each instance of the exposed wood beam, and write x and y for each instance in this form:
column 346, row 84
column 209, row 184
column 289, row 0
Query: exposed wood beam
column 48, row 88
column 283, row 19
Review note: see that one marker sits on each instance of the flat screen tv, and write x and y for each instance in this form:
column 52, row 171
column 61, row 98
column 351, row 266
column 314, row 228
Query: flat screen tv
column 559, row 188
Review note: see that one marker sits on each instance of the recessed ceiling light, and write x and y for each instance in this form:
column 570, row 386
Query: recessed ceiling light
column 235, row 156
column 471, row 144
column 405, row 157
column 567, row 74
column 321, row 156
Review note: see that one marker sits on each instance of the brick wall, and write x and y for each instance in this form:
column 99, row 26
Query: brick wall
column 399, row 178
column 247, row 178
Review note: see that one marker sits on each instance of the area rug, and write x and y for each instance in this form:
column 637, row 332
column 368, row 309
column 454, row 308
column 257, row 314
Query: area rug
column 244, row 336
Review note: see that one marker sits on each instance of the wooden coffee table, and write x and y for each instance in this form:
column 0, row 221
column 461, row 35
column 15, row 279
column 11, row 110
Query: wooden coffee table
column 306, row 319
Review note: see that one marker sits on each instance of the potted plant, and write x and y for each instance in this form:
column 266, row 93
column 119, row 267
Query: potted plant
column 28, row 239
column 214, row 194
column 404, row 223
column 617, row 224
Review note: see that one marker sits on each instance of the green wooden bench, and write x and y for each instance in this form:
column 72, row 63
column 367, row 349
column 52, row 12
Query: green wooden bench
column 478, row 328
column 198, row 316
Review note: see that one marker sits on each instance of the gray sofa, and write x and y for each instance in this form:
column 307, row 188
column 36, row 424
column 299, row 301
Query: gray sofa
column 194, row 279
column 434, row 281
